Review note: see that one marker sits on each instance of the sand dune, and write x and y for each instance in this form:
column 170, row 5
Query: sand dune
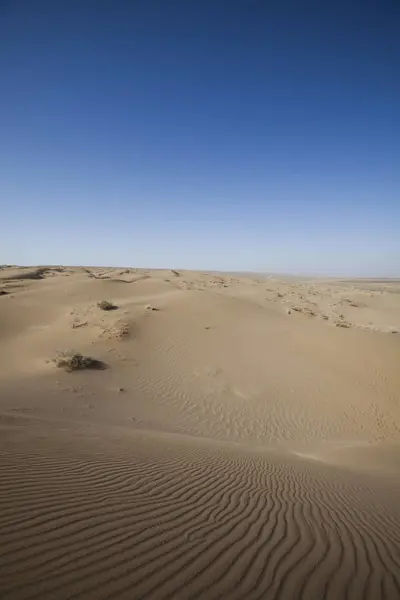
column 243, row 441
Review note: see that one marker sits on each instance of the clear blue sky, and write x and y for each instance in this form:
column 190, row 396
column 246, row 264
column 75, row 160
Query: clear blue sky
column 237, row 135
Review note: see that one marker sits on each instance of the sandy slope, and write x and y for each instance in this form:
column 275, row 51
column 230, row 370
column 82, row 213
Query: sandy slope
column 244, row 441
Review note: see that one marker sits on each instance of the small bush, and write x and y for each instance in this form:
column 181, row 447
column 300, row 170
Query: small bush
column 75, row 361
column 343, row 324
column 106, row 305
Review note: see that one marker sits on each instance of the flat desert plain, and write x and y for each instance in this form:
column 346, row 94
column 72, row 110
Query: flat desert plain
column 233, row 437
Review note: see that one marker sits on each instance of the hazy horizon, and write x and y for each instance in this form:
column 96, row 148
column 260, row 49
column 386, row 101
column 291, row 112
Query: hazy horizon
column 244, row 137
column 262, row 273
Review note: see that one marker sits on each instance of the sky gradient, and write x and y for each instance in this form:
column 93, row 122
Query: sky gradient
column 241, row 135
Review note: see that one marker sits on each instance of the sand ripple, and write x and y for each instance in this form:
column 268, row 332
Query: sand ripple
column 159, row 520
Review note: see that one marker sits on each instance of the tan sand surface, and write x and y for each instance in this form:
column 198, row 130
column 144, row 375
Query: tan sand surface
column 242, row 440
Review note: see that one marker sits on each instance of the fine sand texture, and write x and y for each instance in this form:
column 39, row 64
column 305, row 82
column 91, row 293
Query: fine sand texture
column 176, row 435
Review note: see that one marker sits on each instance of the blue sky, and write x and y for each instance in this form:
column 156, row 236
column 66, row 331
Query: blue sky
column 241, row 135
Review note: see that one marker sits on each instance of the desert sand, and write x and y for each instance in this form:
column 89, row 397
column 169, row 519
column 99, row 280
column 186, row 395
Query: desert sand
column 241, row 442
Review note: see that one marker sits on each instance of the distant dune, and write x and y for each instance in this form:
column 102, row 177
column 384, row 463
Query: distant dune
column 199, row 436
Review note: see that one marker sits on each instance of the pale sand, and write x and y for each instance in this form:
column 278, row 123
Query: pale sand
column 243, row 443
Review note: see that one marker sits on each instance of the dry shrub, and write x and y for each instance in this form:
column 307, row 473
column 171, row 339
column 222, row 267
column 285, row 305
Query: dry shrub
column 70, row 360
column 106, row 305
column 343, row 324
